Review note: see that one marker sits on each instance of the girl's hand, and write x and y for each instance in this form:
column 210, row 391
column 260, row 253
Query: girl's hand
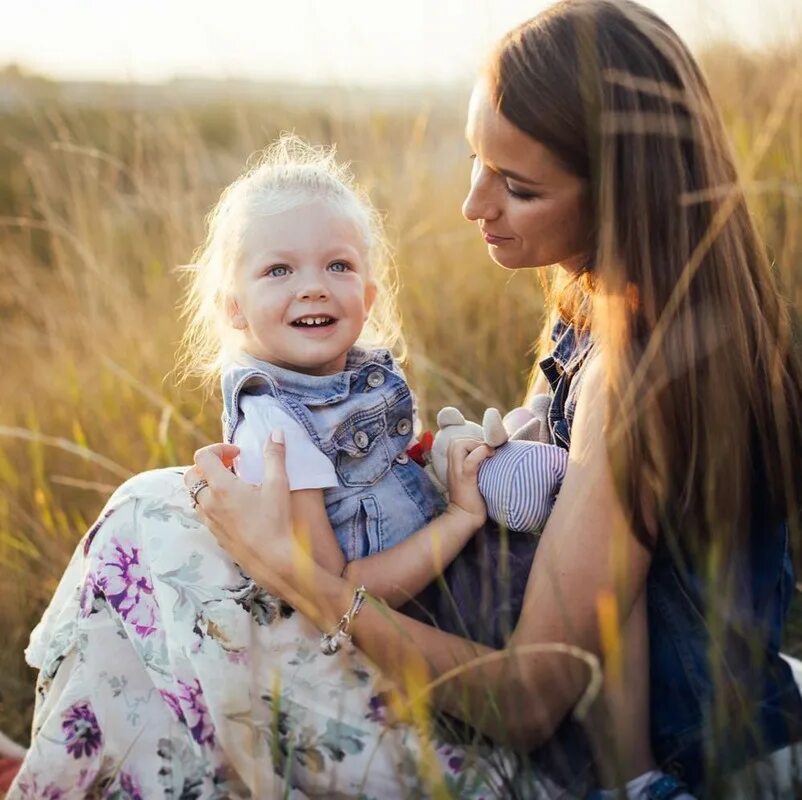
column 464, row 458
column 252, row 524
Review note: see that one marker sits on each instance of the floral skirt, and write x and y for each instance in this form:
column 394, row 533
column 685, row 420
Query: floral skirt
column 164, row 671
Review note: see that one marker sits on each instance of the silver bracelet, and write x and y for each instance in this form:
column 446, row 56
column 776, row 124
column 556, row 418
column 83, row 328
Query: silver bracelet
column 330, row 643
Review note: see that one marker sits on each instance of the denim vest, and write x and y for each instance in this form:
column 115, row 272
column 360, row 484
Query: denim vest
column 362, row 420
column 763, row 703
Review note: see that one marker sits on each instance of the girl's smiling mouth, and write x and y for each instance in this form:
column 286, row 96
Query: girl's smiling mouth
column 312, row 321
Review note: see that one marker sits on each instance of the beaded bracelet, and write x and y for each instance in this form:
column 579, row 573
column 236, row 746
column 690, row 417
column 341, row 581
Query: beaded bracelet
column 330, row 643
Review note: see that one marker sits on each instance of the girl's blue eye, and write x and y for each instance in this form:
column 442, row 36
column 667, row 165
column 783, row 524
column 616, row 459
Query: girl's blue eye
column 278, row 271
column 339, row 266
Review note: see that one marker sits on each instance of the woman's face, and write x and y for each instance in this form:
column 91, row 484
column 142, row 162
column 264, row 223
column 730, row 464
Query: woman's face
column 531, row 211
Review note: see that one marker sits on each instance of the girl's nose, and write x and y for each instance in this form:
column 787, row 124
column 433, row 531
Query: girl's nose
column 313, row 290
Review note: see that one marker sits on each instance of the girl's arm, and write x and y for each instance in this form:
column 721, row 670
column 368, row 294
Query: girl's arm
column 311, row 523
column 399, row 573
column 587, row 563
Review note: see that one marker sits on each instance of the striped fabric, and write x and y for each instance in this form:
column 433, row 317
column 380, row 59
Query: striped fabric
column 520, row 482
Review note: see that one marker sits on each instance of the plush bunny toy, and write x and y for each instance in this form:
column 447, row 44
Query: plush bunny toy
column 519, row 483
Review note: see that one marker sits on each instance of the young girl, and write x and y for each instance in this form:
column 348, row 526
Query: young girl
column 156, row 654
column 289, row 294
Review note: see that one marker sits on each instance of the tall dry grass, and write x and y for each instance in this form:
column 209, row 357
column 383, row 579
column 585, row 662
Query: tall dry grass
column 97, row 209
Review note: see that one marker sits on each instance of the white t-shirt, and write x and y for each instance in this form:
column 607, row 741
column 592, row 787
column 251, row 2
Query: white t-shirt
column 307, row 466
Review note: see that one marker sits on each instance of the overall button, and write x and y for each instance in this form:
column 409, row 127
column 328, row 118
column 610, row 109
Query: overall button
column 375, row 379
column 402, row 459
column 404, row 426
column 361, row 440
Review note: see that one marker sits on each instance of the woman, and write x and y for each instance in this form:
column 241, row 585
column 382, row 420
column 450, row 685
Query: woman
column 597, row 147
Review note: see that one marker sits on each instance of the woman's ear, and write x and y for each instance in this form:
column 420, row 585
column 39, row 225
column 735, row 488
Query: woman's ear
column 235, row 315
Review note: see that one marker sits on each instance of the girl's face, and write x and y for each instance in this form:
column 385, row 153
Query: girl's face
column 531, row 211
column 301, row 288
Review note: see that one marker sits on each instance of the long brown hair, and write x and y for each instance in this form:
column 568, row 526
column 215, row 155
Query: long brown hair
column 704, row 385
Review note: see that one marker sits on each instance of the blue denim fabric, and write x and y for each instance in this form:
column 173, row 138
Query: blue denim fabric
column 362, row 420
column 562, row 369
column 762, row 702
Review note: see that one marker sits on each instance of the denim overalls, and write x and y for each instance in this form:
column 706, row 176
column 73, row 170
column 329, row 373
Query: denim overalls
column 362, row 420
column 756, row 683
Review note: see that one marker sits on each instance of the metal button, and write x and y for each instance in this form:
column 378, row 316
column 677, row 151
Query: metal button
column 375, row 379
column 402, row 459
column 404, row 426
column 361, row 440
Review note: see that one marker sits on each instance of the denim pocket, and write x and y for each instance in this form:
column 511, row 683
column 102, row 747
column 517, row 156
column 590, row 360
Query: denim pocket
column 362, row 456
column 366, row 532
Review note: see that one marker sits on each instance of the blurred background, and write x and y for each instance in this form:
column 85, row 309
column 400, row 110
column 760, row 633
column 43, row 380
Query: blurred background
column 120, row 123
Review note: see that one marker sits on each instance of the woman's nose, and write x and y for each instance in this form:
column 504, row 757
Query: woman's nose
column 480, row 202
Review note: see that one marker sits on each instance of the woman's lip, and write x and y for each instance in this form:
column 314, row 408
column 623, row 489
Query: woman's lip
column 491, row 239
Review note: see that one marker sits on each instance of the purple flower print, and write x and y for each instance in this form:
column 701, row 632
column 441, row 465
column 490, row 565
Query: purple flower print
column 125, row 582
column 452, row 757
column 29, row 789
column 89, row 591
column 190, row 707
column 455, row 763
column 82, row 731
column 197, row 714
column 130, row 788
column 173, row 703
column 377, row 708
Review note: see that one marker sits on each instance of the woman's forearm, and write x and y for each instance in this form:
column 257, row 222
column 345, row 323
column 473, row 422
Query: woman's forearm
column 403, row 571
column 515, row 698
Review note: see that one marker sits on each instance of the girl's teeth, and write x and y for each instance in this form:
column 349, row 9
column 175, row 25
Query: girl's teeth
column 313, row 320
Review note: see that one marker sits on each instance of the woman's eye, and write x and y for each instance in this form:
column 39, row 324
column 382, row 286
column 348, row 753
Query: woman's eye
column 339, row 266
column 277, row 271
column 519, row 195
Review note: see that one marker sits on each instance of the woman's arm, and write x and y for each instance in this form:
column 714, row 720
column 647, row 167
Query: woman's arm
column 587, row 563
column 587, row 560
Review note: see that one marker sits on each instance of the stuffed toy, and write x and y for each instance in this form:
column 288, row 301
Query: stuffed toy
column 520, row 481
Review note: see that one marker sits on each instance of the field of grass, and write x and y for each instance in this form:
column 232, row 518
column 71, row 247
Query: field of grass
column 99, row 203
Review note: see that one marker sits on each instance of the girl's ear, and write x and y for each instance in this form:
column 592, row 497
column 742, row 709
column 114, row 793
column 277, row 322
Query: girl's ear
column 370, row 296
column 235, row 315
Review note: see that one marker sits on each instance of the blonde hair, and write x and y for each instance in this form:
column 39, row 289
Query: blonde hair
column 288, row 174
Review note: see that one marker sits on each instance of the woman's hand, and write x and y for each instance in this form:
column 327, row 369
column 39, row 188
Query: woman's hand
column 464, row 459
column 253, row 524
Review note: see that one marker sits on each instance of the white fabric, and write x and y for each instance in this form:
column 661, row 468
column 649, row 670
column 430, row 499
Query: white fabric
column 165, row 672
column 638, row 788
column 796, row 669
column 307, row 466
column 778, row 776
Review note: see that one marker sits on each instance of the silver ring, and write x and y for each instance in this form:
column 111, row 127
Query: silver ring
column 195, row 489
